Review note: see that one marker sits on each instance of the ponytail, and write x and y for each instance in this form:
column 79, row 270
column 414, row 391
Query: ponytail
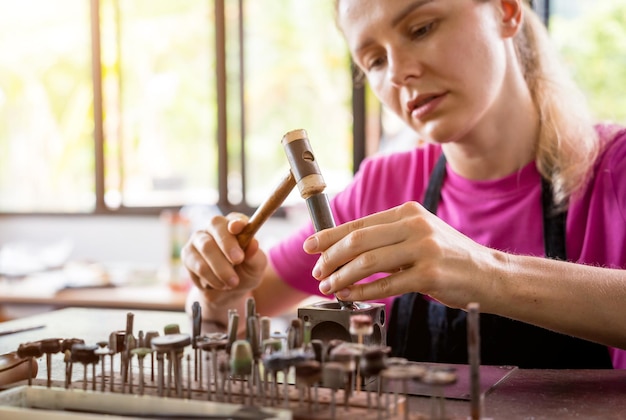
column 568, row 144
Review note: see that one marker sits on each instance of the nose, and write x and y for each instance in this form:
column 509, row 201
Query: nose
column 402, row 67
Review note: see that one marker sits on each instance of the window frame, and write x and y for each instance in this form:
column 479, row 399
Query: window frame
column 221, row 135
column 542, row 7
column 358, row 111
column 362, row 140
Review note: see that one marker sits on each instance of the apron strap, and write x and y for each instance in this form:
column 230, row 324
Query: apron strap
column 553, row 221
column 425, row 330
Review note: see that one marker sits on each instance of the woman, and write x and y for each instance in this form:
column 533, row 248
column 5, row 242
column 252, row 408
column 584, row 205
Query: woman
column 514, row 171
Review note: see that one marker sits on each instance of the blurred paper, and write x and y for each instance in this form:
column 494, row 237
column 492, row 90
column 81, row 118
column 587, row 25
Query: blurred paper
column 19, row 259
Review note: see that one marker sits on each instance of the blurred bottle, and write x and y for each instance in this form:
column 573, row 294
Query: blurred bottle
column 178, row 232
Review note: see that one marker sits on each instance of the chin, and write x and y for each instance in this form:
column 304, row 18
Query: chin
column 436, row 133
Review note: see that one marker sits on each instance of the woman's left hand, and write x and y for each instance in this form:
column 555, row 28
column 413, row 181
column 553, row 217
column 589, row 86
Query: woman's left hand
column 419, row 252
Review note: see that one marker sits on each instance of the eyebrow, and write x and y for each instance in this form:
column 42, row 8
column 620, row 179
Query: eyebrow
column 398, row 18
column 407, row 10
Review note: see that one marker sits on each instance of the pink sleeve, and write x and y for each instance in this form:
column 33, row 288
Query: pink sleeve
column 292, row 264
column 612, row 177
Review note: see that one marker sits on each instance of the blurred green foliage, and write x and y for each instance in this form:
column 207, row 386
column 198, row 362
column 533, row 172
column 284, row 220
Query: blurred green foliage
column 593, row 45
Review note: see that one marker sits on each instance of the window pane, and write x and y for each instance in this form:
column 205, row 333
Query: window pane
column 159, row 91
column 296, row 76
column 592, row 39
column 46, row 107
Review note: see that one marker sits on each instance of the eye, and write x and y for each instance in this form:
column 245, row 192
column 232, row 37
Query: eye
column 418, row 32
column 375, row 62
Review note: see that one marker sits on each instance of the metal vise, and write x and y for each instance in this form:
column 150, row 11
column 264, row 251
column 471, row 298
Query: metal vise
column 328, row 321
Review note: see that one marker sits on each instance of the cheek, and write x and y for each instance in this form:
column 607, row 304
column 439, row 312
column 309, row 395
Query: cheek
column 484, row 58
column 488, row 74
column 386, row 94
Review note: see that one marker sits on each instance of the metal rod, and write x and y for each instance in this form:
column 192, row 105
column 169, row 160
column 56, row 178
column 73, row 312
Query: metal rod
column 311, row 185
column 473, row 344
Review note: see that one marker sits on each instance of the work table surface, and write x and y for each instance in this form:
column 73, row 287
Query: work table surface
column 148, row 297
column 523, row 394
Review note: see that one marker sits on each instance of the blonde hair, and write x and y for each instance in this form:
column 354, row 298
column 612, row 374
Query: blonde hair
column 568, row 143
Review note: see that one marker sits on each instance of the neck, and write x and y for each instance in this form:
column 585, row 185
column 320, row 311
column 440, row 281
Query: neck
column 505, row 139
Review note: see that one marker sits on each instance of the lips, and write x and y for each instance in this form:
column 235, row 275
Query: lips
column 424, row 104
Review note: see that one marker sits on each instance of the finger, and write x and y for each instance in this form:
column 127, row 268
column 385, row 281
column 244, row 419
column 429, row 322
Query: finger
column 342, row 244
column 385, row 259
column 409, row 222
column 243, row 227
column 322, row 240
column 236, row 222
column 205, row 258
column 223, row 231
column 326, row 238
column 192, row 262
column 251, row 249
column 392, row 285
column 195, row 279
column 199, row 282
column 363, row 252
column 198, row 268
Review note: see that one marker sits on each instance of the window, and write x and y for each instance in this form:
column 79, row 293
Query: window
column 117, row 106
column 46, row 107
column 296, row 75
column 159, row 95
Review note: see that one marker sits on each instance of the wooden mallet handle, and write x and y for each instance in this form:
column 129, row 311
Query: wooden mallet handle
column 266, row 209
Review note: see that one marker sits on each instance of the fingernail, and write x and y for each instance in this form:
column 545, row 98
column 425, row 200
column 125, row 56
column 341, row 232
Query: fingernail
column 325, row 287
column 316, row 272
column 343, row 294
column 310, row 245
column 236, row 254
column 232, row 282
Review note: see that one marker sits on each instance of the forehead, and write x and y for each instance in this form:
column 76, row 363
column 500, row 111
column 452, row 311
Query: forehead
column 351, row 13
column 351, row 9
column 345, row 7
column 360, row 18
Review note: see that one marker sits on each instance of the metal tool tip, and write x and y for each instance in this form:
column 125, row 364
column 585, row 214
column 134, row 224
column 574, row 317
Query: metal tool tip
column 347, row 305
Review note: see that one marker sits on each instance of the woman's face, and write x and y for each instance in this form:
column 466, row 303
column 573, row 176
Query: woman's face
column 438, row 64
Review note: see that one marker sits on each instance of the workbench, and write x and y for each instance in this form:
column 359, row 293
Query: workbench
column 522, row 394
column 20, row 298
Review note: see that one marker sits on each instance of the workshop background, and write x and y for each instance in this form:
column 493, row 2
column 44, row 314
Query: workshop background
column 124, row 125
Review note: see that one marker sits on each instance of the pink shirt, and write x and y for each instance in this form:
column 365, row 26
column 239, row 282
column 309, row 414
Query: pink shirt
column 503, row 214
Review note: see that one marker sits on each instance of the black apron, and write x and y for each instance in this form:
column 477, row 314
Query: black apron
column 427, row 331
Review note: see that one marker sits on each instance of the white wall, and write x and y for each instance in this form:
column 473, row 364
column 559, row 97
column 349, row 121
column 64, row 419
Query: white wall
column 98, row 238
column 139, row 240
column 131, row 248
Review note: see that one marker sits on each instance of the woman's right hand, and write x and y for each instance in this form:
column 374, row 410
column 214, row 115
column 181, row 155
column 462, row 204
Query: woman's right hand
column 217, row 264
